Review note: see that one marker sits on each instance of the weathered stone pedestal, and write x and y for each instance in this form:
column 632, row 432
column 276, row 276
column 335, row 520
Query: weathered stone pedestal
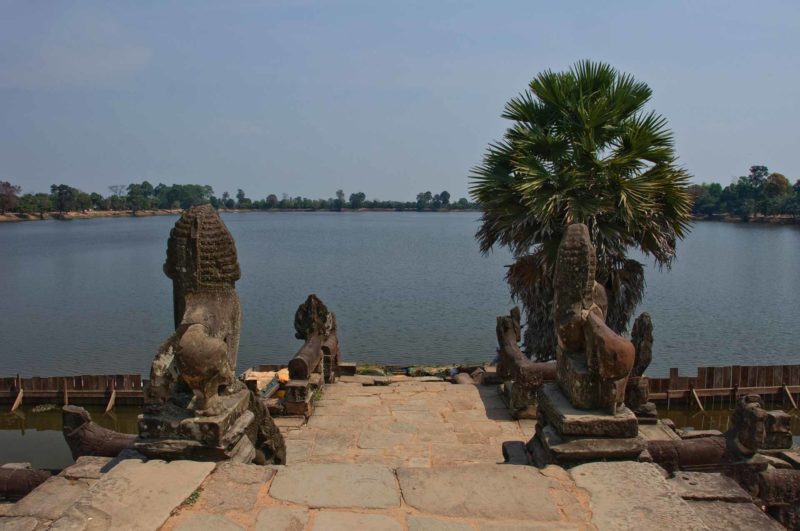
column 173, row 432
column 568, row 436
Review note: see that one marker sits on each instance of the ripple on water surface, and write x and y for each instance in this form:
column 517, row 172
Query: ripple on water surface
column 89, row 296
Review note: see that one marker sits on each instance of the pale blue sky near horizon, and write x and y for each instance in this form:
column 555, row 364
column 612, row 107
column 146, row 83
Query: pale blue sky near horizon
column 388, row 98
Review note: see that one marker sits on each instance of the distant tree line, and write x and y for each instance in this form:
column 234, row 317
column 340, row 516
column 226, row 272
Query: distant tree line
column 758, row 193
column 144, row 196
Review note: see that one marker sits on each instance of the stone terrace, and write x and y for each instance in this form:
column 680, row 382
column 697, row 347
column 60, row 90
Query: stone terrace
column 411, row 455
column 407, row 423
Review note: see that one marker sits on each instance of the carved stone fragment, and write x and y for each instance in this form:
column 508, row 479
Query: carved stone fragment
column 524, row 376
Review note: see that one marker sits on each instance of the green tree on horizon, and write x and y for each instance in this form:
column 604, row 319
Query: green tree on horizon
column 8, row 196
column 581, row 148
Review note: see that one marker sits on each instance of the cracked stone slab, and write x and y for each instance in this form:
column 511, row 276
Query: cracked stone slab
column 156, row 486
column 234, row 486
column 624, row 495
column 337, row 485
column 51, row 499
column 341, row 521
column 481, row 491
column 708, row 487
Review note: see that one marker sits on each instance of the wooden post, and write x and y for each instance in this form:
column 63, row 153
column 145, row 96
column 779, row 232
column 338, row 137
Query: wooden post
column 66, row 393
column 18, row 401
column 113, row 398
column 789, row 396
column 697, row 399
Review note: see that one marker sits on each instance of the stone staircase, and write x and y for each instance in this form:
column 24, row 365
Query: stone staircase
column 103, row 494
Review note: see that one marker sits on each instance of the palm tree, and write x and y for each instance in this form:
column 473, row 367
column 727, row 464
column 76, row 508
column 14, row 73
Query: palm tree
column 581, row 149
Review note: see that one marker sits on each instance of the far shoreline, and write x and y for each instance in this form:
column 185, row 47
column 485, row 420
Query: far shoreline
column 13, row 217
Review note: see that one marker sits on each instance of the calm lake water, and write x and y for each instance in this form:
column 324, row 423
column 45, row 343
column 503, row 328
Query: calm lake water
column 89, row 296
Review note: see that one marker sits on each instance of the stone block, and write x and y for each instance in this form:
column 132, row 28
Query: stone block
column 304, row 408
column 569, row 420
column 565, row 450
column 210, row 430
column 156, row 487
column 514, row 453
column 480, row 491
column 296, row 390
column 337, row 485
column 346, row 368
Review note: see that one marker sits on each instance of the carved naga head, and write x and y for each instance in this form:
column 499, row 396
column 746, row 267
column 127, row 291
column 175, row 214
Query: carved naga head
column 201, row 256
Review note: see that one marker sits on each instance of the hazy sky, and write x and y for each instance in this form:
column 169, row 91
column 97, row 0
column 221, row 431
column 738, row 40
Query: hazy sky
column 388, row 98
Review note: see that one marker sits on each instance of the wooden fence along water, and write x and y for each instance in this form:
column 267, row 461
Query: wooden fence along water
column 776, row 382
column 721, row 384
column 87, row 389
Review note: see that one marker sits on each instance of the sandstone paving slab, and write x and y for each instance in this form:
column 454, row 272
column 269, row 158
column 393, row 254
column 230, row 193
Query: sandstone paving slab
column 724, row 516
column 337, row 485
column 480, row 491
column 627, row 494
column 708, row 487
column 87, row 467
column 343, row 521
column 298, row 450
column 281, row 519
column 136, row 495
column 18, row 523
column 426, row 523
column 234, row 486
column 529, row 526
column 443, row 454
column 205, row 522
column 334, row 442
column 372, row 438
column 51, row 499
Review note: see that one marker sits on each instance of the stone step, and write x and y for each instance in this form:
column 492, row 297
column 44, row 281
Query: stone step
column 131, row 496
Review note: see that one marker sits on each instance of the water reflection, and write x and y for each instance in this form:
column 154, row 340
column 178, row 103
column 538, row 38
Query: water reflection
column 35, row 437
